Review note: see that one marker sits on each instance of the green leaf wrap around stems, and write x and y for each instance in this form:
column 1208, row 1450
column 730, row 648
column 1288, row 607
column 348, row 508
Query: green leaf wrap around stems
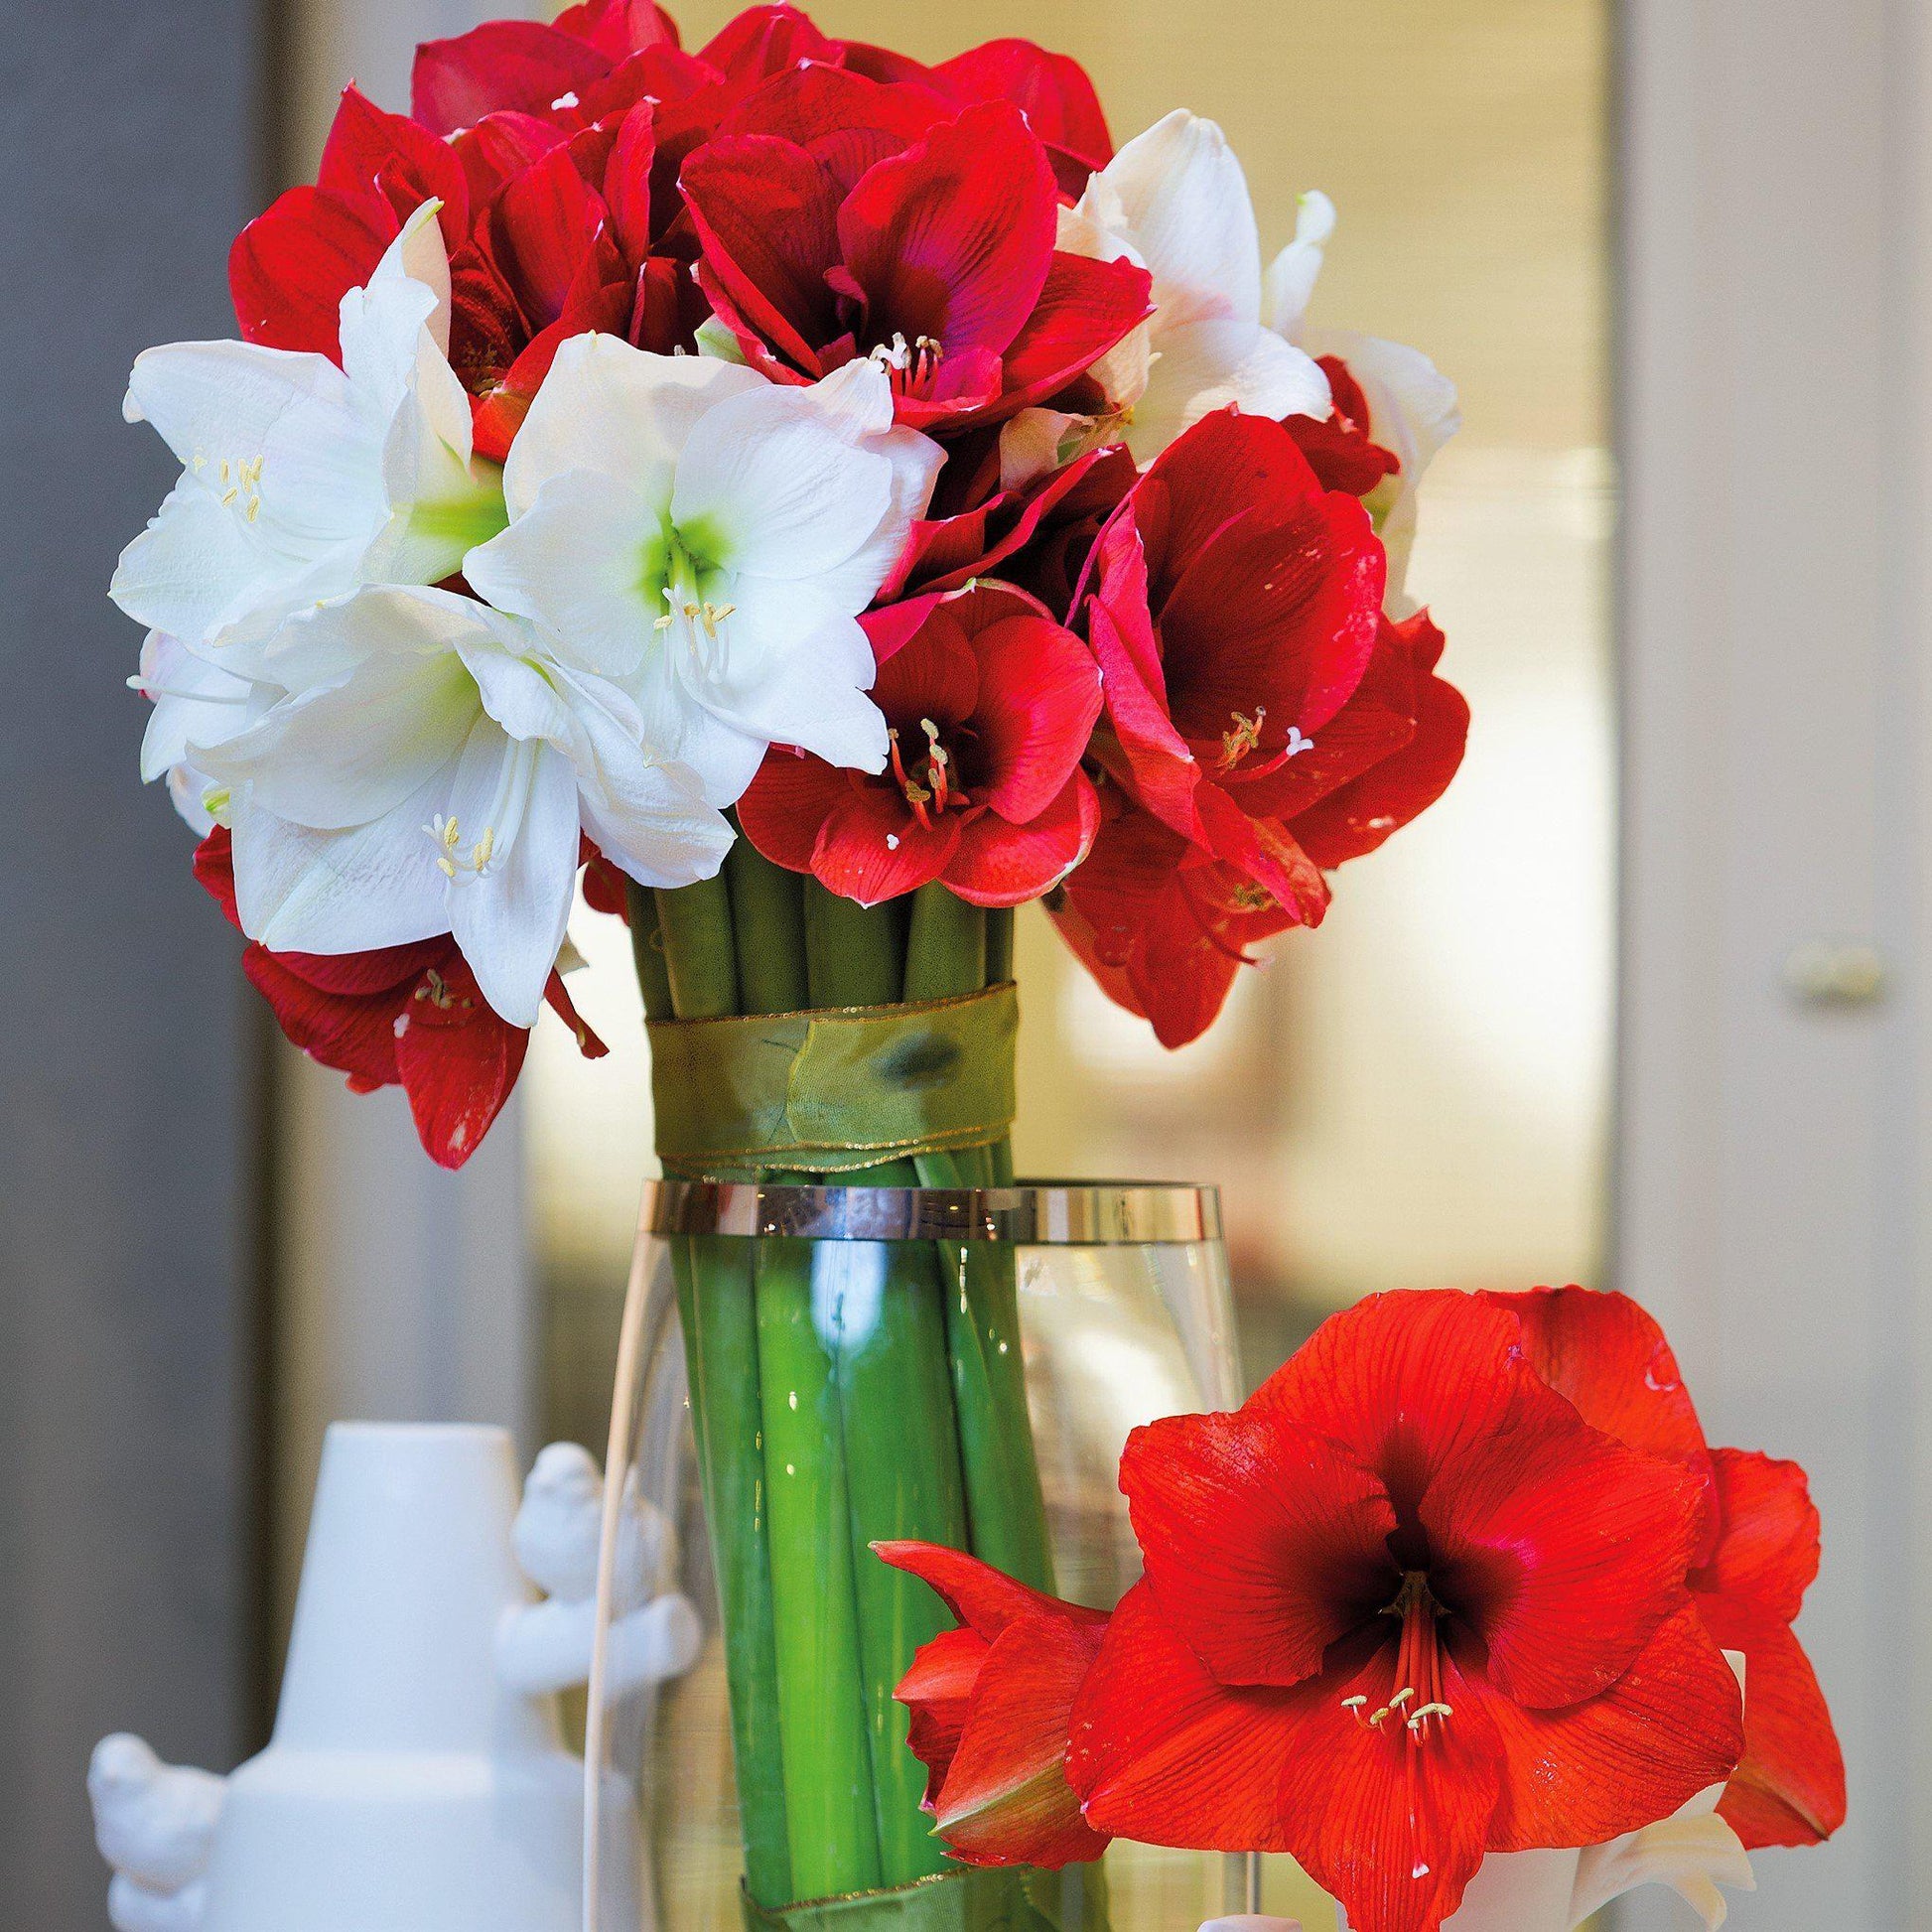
column 717, row 1315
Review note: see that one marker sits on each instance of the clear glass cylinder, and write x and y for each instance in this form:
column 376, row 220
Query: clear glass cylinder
column 1122, row 1316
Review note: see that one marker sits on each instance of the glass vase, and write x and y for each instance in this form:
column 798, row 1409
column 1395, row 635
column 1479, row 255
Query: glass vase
column 796, row 1380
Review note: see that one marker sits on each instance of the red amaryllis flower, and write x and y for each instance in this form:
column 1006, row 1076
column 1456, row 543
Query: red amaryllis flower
column 1757, row 1552
column 1402, row 1609
column 990, row 704
column 1035, row 533
column 401, row 1016
column 1162, row 926
column 1053, row 90
column 926, row 242
column 991, row 1705
column 1235, row 607
column 1165, row 923
column 551, row 231
column 1340, row 447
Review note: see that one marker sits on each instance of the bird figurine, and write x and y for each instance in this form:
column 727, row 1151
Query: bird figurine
column 155, row 1826
column 655, row 1631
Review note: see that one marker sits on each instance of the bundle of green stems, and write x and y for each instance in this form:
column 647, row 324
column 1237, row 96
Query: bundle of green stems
column 842, row 1393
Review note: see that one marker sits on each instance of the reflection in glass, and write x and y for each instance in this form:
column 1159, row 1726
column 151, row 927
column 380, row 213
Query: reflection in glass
column 1125, row 1310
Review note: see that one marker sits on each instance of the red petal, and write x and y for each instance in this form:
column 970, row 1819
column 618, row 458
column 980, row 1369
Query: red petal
column 1562, row 1548
column 557, row 996
column 1040, row 696
column 1054, row 92
column 1084, row 308
column 1608, row 1356
column 356, row 1037
column 1357, row 817
column 1165, row 1755
column 787, row 805
column 872, row 848
column 764, row 41
column 1789, row 1788
column 213, row 866
column 934, row 674
column 1767, row 1554
column 290, row 268
column 1404, row 1380
column 1005, row 1799
column 619, row 27
column 541, row 228
column 1278, row 611
column 1666, row 1729
column 937, row 1692
column 1163, row 770
column 514, row 64
column 1259, row 850
column 953, row 238
column 458, row 1065
column 1000, row 864
column 365, row 144
column 1264, row 1543
column 766, row 214
column 981, row 1596
column 500, row 414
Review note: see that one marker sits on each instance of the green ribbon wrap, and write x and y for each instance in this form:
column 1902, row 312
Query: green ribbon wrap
column 837, row 1089
column 971, row 1899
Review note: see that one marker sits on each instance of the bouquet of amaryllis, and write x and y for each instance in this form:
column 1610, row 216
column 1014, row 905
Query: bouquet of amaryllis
column 825, row 501
column 1456, row 1609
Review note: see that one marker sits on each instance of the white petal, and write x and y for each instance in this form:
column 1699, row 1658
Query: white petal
column 916, row 463
column 799, row 677
column 194, row 701
column 678, row 725
column 302, row 890
column 1177, row 194
column 856, row 400
column 1211, row 365
column 620, row 411
column 1291, row 278
column 647, row 816
column 579, row 560
column 334, row 758
column 419, row 253
column 195, row 568
column 211, row 400
column 784, row 493
column 509, row 919
column 1411, row 411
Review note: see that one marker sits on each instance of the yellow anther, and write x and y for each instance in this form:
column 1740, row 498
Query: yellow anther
column 664, row 622
column 1401, row 1698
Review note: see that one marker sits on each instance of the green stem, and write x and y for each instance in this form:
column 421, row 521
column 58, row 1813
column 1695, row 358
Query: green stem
column 686, row 966
column 768, row 922
column 999, row 945
column 950, row 953
column 700, row 952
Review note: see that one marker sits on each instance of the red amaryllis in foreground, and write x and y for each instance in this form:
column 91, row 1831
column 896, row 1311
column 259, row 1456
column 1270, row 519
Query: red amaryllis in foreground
column 990, row 705
column 1402, row 1610
column 928, row 244
column 991, row 1704
column 401, row 1016
column 1758, row 1550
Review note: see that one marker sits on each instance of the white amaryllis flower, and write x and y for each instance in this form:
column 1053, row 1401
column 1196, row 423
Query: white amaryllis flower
column 1411, row 404
column 1175, row 199
column 304, row 482
column 195, row 702
column 427, row 766
column 705, row 538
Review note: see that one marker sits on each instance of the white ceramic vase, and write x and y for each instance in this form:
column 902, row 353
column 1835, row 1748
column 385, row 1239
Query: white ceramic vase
column 406, row 1789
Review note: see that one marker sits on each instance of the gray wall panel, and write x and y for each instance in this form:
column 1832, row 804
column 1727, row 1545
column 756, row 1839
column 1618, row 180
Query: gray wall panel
column 129, row 153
